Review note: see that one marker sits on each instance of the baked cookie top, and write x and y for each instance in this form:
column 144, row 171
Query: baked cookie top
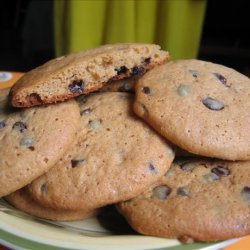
column 200, row 106
column 83, row 72
column 200, row 199
column 32, row 141
column 21, row 200
column 115, row 156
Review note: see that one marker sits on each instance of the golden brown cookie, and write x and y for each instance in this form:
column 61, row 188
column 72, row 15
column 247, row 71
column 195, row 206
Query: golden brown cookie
column 115, row 156
column 22, row 200
column 200, row 199
column 84, row 72
column 199, row 106
column 33, row 140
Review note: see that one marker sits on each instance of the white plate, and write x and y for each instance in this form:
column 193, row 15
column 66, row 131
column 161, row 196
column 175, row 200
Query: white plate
column 21, row 231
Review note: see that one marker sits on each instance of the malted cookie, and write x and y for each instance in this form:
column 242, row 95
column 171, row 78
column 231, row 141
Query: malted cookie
column 84, row 72
column 22, row 200
column 33, row 140
column 123, row 85
column 200, row 106
column 114, row 158
column 201, row 200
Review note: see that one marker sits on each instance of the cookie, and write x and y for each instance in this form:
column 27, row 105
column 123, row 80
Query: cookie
column 22, row 201
column 3, row 93
column 32, row 141
column 84, row 72
column 115, row 157
column 201, row 200
column 124, row 85
column 199, row 106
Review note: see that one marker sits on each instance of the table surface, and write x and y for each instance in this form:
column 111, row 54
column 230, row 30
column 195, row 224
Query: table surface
column 6, row 81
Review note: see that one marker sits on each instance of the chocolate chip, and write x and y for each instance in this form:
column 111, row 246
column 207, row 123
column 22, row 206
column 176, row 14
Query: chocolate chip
column 31, row 148
column 187, row 166
column 76, row 86
column 182, row 191
column 222, row 79
column 169, row 173
column 43, row 188
column 75, row 163
column 34, row 98
column 184, row 90
column 213, row 104
column 161, row 192
column 95, row 124
column 27, row 142
column 147, row 61
column 152, row 167
column 86, row 111
column 121, row 70
column 20, row 126
column 211, row 177
column 193, row 72
column 138, row 70
column 246, row 192
column 146, row 90
column 2, row 124
column 221, row 171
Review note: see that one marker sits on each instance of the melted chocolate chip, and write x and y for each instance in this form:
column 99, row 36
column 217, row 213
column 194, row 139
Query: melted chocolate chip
column 146, row 90
column 75, row 163
column 138, row 70
column 147, row 61
column 20, row 126
column 122, row 70
column 95, row 124
column 34, row 98
column 193, row 72
column 221, row 171
column 161, row 192
column 27, row 142
column 211, row 177
column 182, row 191
column 222, row 79
column 2, row 124
column 152, row 167
column 31, row 148
column 43, row 188
column 77, row 86
column 184, row 90
column 213, row 104
column 187, row 166
column 86, row 111
column 246, row 192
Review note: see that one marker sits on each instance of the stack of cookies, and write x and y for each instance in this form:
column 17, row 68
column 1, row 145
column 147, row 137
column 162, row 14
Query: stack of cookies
column 167, row 142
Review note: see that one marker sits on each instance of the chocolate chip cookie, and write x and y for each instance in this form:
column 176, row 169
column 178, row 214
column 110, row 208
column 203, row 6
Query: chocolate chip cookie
column 199, row 106
column 83, row 72
column 33, row 140
column 115, row 156
column 22, row 200
column 201, row 200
